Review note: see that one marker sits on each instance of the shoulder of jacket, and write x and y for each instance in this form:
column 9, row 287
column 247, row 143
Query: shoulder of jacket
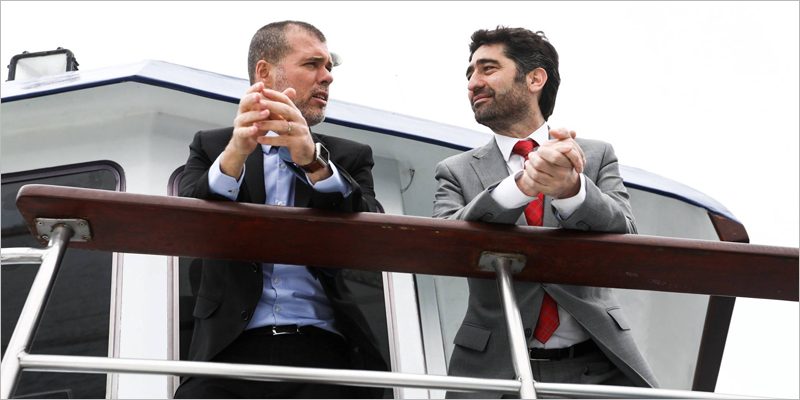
column 337, row 142
column 583, row 142
column 460, row 158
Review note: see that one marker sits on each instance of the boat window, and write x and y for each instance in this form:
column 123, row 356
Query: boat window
column 365, row 290
column 443, row 304
column 77, row 317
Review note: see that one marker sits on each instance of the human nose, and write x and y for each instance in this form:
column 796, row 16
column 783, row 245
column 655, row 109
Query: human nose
column 475, row 82
column 326, row 77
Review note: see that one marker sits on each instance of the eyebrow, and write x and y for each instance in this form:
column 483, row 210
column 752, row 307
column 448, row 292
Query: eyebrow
column 479, row 62
column 317, row 59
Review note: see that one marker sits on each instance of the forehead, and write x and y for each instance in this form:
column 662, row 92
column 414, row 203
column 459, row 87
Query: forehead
column 489, row 52
column 305, row 45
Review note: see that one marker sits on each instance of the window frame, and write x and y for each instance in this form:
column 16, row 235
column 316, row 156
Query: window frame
column 112, row 381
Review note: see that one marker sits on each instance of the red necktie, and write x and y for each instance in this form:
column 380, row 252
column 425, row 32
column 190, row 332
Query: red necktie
column 548, row 316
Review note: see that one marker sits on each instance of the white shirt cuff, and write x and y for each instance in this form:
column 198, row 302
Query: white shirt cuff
column 508, row 195
column 566, row 207
column 334, row 183
column 222, row 184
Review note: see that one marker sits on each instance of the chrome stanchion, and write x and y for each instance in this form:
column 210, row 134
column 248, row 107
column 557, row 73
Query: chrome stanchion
column 34, row 307
column 516, row 334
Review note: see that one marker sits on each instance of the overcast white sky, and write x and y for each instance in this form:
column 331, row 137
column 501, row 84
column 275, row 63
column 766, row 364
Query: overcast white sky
column 705, row 94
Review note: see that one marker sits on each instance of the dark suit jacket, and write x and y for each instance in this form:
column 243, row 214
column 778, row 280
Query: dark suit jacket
column 229, row 291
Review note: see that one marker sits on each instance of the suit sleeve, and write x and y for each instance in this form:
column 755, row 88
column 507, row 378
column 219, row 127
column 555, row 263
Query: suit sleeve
column 607, row 205
column 194, row 182
column 357, row 171
column 450, row 204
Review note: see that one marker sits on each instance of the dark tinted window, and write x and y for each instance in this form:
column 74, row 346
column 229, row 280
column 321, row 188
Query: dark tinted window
column 76, row 319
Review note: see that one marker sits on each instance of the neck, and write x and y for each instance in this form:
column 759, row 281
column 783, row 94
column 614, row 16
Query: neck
column 522, row 129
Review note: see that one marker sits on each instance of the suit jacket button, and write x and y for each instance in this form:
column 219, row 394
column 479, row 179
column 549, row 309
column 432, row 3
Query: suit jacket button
column 245, row 315
column 528, row 332
column 255, row 267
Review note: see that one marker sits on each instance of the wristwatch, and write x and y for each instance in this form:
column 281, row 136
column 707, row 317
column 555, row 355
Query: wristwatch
column 321, row 157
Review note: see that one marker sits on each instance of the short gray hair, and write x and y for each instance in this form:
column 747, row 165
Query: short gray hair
column 270, row 44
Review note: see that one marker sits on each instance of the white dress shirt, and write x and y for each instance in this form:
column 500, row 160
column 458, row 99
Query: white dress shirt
column 508, row 195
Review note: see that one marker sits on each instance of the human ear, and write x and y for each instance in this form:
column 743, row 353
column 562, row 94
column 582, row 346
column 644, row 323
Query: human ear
column 265, row 72
column 536, row 80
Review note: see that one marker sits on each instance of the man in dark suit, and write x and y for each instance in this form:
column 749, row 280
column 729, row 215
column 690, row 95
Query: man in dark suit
column 529, row 174
column 276, row 314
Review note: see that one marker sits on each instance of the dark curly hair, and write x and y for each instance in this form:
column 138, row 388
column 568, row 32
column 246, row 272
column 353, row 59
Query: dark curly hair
column 270, row 44
column 529, row 50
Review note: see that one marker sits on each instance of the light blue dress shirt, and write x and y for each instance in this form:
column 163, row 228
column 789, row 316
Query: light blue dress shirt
column 291, row 295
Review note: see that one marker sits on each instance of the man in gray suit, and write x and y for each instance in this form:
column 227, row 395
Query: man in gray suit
column 530, row 175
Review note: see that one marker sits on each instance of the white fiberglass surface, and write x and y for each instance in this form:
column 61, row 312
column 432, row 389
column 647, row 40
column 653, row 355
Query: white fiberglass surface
column 147, row 131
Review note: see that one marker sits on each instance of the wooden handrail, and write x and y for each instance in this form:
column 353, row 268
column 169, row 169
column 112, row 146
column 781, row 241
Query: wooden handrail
column 135, row 223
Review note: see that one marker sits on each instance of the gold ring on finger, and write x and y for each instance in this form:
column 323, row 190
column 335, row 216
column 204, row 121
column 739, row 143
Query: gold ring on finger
column 289, row 128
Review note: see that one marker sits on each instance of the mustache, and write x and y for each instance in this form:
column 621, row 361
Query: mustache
column 318, row 89
column 484, row 91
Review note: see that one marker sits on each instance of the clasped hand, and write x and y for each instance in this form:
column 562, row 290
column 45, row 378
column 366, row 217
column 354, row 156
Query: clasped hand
column 554, row 168
column 262, row 110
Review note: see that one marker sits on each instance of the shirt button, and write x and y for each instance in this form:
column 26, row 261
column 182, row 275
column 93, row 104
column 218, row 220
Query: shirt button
column 280, row 203
column 233, row 191
column 245, row 315
column 277, row 280
column 283, row 166
column 277, row 308
column 528, row 332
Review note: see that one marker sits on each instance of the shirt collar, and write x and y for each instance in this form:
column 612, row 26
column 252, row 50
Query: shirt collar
column 265, row 147
column 506, row 143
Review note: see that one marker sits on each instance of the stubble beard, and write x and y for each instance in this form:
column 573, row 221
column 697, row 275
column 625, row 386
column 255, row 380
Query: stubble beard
column 312, row 114
column 505, row 109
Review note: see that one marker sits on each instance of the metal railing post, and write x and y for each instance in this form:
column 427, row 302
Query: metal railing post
column 34, row 308
column 516, row 334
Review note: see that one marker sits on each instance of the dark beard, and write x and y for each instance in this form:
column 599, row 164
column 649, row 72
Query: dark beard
column 313, row 116
column 310, row 114
column 505, row 109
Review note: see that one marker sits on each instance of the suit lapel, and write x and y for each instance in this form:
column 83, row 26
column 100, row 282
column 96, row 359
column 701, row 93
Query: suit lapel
column 254, row 176
column 302, row 193
column 550, row 219
column 491, row 168
column 489, row 164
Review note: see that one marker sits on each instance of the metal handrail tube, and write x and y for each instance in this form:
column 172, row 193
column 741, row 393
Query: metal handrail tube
column 22, row 255
column 516, row 335
column 101, row 365
column 33, row 309
column 54, row 363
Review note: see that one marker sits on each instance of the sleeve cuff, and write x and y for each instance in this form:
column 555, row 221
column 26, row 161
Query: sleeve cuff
column 334, row 183
column 565, row 207
column 508, row 195
column 222, row 184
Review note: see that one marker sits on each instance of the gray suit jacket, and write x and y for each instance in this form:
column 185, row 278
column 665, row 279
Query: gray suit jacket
column 482, row 348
